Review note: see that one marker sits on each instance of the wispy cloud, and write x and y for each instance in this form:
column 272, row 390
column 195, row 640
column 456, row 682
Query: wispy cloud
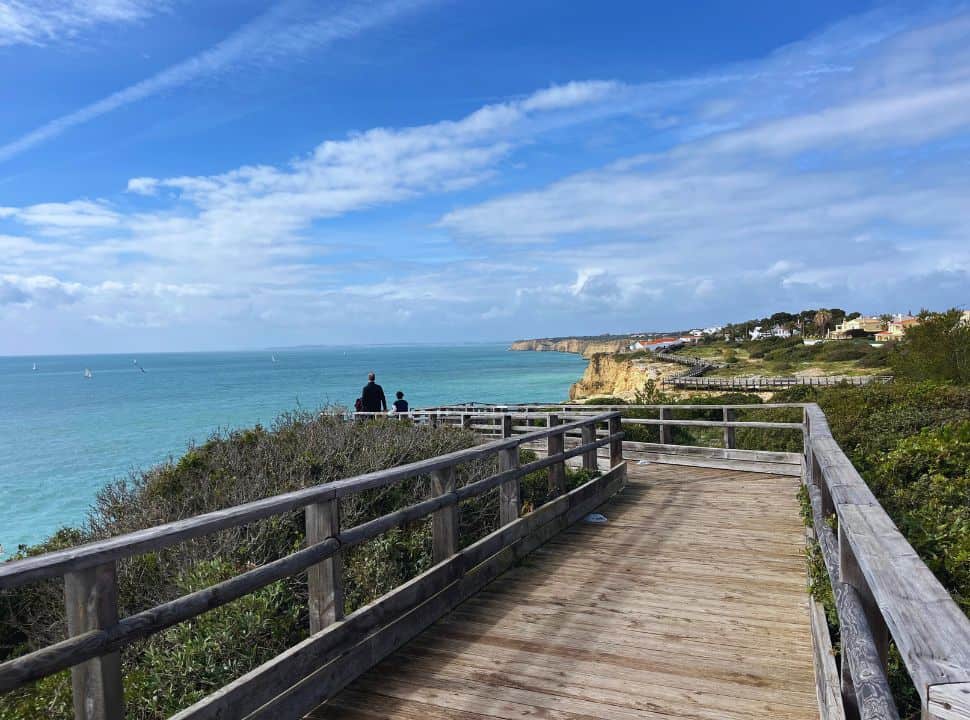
column 39, row 22
column 829, row 172
column 283, row 32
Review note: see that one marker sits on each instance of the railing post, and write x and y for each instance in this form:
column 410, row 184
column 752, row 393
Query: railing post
column 509, row 502
column 851, row 574
column 555, row 445
column 506, row 426
column 588, row 435
column 730, row 441
column 444, row 522
column 325, row 579
column 616, row 446
column 466, row 421
column 91, row 601
column 665, row 434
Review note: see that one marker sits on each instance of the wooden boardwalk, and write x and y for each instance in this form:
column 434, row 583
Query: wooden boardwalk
column 689, row 603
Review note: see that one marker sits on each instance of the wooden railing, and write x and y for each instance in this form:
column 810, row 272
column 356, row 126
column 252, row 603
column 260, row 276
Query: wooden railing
column 339, row 648
column 770, row 383
column 882, row 589
column 485, row 419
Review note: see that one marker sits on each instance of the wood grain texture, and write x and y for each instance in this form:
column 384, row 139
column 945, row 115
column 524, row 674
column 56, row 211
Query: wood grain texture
column 325, row 579
column 91, row 602
column 681, row 606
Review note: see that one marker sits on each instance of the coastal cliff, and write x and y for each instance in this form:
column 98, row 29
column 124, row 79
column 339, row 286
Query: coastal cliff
column 609, row 376
column 587, row 347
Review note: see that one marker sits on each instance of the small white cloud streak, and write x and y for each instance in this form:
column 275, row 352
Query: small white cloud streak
column 270, row 38
column 39, row 22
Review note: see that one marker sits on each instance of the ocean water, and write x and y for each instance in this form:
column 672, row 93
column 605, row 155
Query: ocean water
column 64, row 436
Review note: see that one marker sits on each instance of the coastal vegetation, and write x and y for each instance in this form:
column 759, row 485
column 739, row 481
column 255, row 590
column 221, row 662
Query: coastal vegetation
column 177, row 667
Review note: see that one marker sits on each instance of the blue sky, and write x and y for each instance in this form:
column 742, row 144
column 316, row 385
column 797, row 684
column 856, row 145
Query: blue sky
column 219, row 175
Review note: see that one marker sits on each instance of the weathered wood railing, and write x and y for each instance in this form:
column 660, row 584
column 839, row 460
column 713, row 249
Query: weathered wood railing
column 881, row 587
column 486, row 419
column 882, row 590
column 339, row 648
column 769, row 382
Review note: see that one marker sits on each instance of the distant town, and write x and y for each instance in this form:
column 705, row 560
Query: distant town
column 813, row 326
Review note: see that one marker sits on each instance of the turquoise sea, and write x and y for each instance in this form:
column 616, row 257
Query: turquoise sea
column 63, row 436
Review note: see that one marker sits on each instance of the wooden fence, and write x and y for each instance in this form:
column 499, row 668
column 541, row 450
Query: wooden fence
column 339, row 648
column 770, row 383
column 882, row 589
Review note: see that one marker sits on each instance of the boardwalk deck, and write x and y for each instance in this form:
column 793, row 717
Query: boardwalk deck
column 689, row 603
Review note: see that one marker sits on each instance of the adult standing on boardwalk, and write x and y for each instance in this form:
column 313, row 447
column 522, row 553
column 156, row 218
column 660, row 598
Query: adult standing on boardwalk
column 372, row 396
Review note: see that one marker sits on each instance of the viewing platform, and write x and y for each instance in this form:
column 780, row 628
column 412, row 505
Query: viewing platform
column 689, row 601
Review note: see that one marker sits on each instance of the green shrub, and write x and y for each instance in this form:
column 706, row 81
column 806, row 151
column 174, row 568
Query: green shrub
column 936, row 349
column 177, row 667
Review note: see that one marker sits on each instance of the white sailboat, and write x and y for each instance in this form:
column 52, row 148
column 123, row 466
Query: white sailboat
column 274, row 357
column 88, row 374
column 35, row 366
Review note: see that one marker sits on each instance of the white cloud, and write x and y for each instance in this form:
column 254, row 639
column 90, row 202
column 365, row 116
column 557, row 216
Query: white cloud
column 74, row 215
column 39, row 22
column 571, row 94
column 755, row 197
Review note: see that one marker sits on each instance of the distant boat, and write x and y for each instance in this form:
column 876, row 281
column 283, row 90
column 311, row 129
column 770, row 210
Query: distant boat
column 135, row 361
column 88, row 374
column 35, row 366
column 274, row 357
column 142, row 369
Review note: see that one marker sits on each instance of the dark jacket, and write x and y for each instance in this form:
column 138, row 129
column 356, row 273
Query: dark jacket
column 401, row 406
column 373, row 397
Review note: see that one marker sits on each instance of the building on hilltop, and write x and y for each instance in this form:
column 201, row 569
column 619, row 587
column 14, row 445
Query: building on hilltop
column 851, row 328
column 897, row 328
column 778, row 331
column 664, row 343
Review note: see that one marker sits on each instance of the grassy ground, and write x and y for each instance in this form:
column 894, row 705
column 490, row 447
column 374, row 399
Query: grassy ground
column 792, row 357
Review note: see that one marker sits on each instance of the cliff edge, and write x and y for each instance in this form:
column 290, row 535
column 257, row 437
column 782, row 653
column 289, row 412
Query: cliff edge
column 587, row 347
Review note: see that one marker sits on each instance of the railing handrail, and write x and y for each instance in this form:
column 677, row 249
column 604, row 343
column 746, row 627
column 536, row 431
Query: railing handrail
column 536, row 408
column 96, row 634
column 19, row 572
column 883, row 588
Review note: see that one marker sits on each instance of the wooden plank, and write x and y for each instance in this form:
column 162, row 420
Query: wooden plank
column 930, row 630
column 863, row 674
column 730, row 432
column 729, row 454
column 949, row 702
column 556, row 444
column 740, row 465
column 664, row 428
column 91, row 601
column 667, row 421
column 827, row 683
column 588, row 437
column 325, row 584
column 444, row 522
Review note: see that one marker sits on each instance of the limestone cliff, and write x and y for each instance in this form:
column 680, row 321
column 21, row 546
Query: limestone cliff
column 587, row 347
column 607, row 376
column 610, row 376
